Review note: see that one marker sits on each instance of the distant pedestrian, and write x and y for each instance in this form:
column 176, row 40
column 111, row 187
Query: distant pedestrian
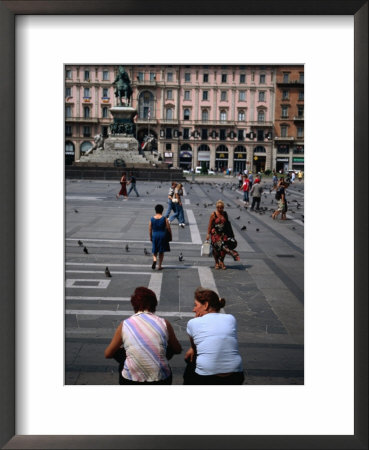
column 299, row 176
column 170, row 199
column 246, row 189
column 275, row 180
column 240, row 180
column 160, row 235
column 132, row 182
column 123, row 189
column 178, row 208
column 293, row 176
column 213, row 357
column 256, row 192
column 251, row 179
column 280, row 196
column 143, row 343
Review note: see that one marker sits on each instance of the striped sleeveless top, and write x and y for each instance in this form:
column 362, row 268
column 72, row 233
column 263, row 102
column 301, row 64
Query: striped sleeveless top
column 145, row 339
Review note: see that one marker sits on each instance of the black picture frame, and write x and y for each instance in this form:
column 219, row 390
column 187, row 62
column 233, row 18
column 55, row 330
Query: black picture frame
column 8, row 10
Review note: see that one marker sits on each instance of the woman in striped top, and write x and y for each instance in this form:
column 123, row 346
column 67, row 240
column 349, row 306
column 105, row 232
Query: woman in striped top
column 148, row 342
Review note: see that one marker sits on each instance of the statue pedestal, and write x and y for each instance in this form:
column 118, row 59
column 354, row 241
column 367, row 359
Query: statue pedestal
column 123, row 113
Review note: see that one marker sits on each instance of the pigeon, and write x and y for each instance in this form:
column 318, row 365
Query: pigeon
column 107, row 272
column 197, row 204
column 76, row 210
column 80, row 243
column 248, row 221
column 127, row 248
column 228, row 205
column 146, row 252
column 293, row 228
column 237, row 217
column 257, row 229
column 85, row 250
column 148, row 193
column 243, row 227
column 180, row 257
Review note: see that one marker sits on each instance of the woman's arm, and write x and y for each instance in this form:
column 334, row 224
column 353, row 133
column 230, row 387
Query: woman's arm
column 150, row 230
column 210, row 226
column 173, row 343
column 115, row 343
column 191, row 352
column 167, row 225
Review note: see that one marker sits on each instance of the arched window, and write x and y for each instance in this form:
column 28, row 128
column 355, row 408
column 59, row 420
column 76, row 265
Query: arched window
column 261, row 115
column 186, row 114
column 204, row 115
column 204, row 148
column 69, row 148
column 146, row 104
column 223, row 115
column 85, row 146
column 240, row 149
column 259, row 149
column 169, row 114
column 222, row 148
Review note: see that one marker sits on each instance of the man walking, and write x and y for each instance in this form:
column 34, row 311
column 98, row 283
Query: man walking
column 246, row 189
column 132, row 182
column 171, row 205
column 256, row 192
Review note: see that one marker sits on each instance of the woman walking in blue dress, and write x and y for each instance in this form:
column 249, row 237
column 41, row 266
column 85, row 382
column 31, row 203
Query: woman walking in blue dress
column 160, row 235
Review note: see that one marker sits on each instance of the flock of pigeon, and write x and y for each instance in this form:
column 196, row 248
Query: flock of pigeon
column 221, row 187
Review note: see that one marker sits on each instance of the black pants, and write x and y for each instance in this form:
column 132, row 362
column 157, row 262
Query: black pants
column 257, row 201
column 190, row 377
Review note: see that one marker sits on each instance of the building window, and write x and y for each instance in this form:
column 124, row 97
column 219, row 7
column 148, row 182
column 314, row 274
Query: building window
column 146, row 104
column 68, row 92
column 223, row 96
column 283, row 149
column 223, row 116
column 300, row 132
column 170, row 76
column 285, row 112
column 205, row 95
column 260, row 135
column 286, row 77
column 86, row 92
column 261, row 116
column 186, row 133
column 299, row 150
column 152, row 76
column 301, row 77
column 242, row 78
column 285, row 95
column 241, row 116
column 105, row 112
column 262, row 78
column 262, row 96
column 284, row 131
column 169, row 94
column 301, row 95
column 224, row 78
column 204, row 133
column 204, row 115
column 300, row 111
column 187, row 95
column 187, row 77
column 242, row 96
column 169, row 114
column 86, row 131
column 87, row 75
column 68, row 74
column 140, row 76
column 105, row 75
column 186, row 114
column 86, row 112
column 241, row 135
column 105, row 92
column 68, row 130
column 222, row 134
column 68, row 111
column 205, row 78
column 168, row 133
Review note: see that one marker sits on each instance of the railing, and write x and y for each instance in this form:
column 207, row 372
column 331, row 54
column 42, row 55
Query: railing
column 284, row 138
column 260, row 123
column 82, row 119
column 169, row 121
column 298, row 118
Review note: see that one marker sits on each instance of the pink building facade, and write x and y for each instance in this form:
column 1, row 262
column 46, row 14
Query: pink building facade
column 213, row 115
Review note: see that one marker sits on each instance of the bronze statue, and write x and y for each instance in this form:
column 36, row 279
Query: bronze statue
column 123, row 87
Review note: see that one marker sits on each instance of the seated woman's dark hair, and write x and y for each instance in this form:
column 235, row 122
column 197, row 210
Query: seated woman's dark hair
column 144, row 299
column 203, row 295
column 159, row 209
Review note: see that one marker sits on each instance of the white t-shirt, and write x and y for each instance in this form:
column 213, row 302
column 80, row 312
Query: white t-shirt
column 215, row 337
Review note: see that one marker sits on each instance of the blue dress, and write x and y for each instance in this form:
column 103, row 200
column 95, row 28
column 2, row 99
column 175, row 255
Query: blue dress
column 160, row 241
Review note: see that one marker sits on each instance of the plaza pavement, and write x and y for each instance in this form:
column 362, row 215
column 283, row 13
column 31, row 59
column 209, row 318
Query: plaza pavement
column 264, row 291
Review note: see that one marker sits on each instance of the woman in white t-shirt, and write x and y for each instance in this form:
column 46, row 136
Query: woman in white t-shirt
column 213, row 357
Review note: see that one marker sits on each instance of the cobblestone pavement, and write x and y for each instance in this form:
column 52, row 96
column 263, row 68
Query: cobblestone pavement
column 264, row 291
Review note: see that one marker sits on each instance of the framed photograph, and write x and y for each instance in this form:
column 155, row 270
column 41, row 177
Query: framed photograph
column 30, row 296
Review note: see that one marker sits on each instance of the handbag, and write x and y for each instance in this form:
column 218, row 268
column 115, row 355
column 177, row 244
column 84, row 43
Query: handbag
column 168, row 235
column 206, row 249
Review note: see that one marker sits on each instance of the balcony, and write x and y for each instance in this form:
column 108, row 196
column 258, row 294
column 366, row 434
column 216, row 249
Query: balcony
column 284, row 138
column 291, row 83
column 143, row 121
column 169, row 121
column 260, row 123
column 144, row 82
column 298, row 118
column 82, row 119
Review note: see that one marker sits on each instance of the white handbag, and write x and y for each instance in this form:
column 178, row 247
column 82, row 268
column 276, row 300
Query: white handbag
column 206, row 249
